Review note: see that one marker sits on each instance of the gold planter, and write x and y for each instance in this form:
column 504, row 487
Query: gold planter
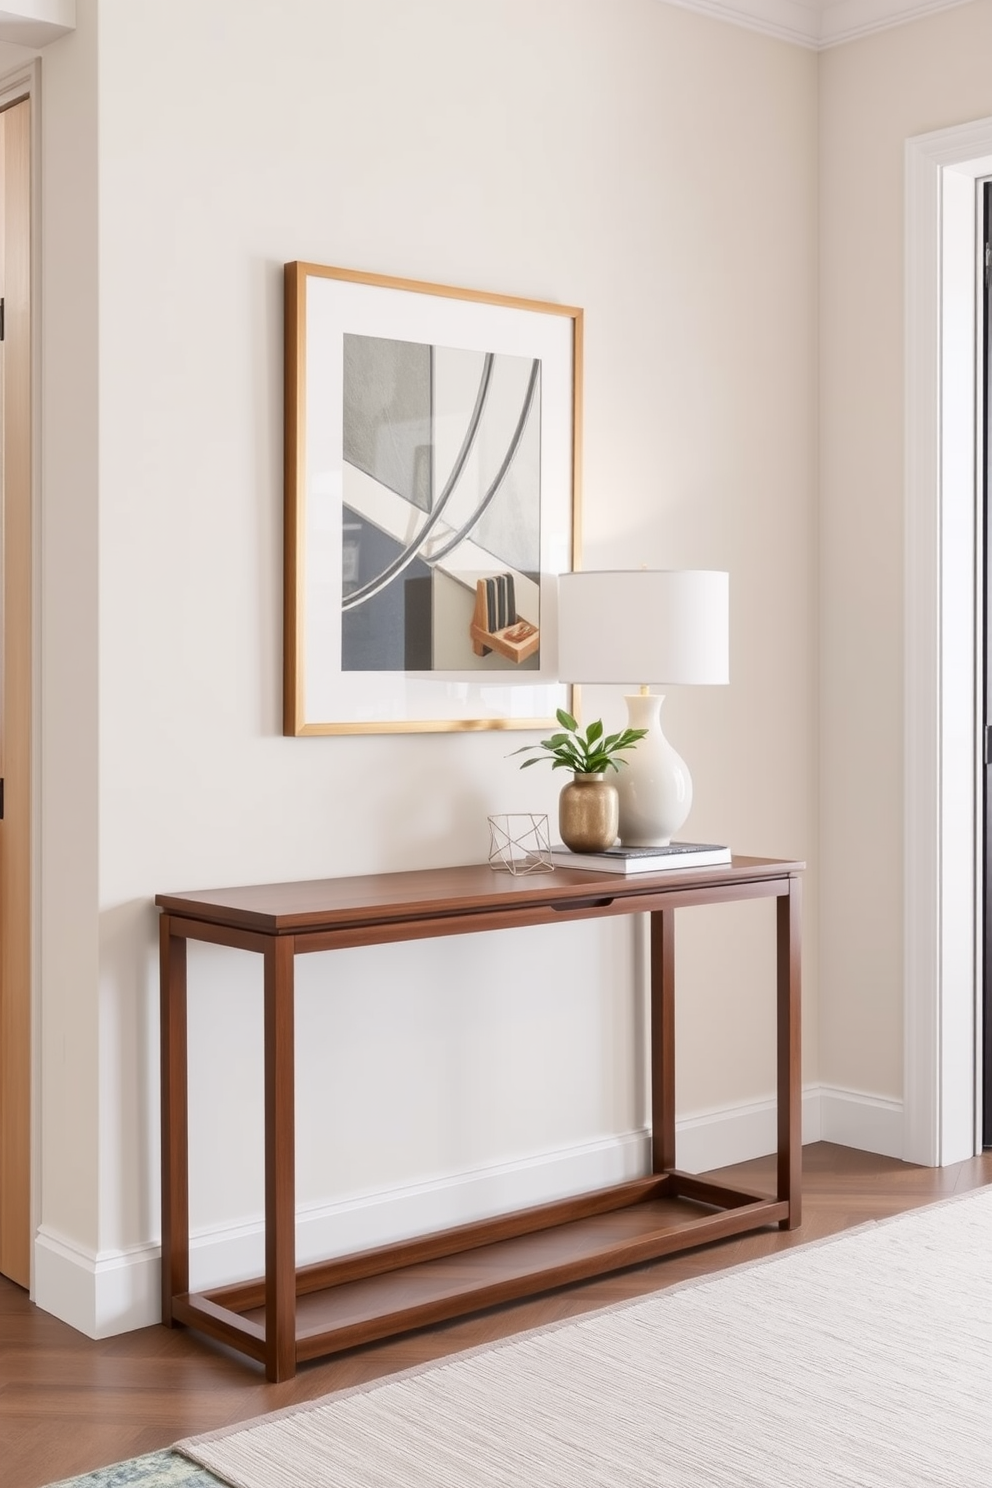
column 589, row 813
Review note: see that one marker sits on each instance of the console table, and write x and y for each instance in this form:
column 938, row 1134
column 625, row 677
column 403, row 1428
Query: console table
column 290, row 1315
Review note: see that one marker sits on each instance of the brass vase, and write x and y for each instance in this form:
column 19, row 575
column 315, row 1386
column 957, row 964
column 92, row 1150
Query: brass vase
column 589, row 813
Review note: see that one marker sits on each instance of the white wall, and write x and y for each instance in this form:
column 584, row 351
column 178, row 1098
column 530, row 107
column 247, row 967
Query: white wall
column 874, row 94
column 657, row 168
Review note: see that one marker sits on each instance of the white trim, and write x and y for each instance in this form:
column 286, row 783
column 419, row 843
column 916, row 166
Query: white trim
column 786, row 20
column 941, row 882
column 844, row 20
column 733, row 1134
column 817, row 24
column 921, row 629
column 705, row 1140
column 869, row 1122
column 110, row 1292
column 98, row 1294
column 364, row 1220
column 115, row 1291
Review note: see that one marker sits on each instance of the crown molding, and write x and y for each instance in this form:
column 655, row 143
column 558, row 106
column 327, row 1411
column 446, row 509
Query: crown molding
column 817, row 24
column 34, row 23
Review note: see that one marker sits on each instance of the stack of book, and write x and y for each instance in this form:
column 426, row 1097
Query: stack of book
column 643, row 859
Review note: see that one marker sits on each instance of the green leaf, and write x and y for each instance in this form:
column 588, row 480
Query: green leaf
column 590, row 753
column 629, row 738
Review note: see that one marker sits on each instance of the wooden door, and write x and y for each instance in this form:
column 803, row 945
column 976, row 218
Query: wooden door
column 15, row 693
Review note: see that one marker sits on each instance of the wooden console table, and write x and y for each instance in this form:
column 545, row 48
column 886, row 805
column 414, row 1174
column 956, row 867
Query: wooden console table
column 290, row 1315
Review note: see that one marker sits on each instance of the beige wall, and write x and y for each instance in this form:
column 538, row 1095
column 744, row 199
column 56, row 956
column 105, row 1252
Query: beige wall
column 874, row 94
column 657, row 168
column 690, row 184
column 67, row 533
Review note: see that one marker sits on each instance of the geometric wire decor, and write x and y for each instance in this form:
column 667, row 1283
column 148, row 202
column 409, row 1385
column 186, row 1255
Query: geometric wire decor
column 519, row 842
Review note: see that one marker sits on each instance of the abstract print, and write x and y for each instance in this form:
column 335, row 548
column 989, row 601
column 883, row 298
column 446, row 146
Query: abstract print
column 441, row 509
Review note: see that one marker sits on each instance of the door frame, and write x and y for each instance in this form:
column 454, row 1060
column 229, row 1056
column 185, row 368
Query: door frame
column 942, row 845
column 24, row 83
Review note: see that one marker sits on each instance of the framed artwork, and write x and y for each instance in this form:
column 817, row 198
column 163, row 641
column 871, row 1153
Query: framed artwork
column 432, row 478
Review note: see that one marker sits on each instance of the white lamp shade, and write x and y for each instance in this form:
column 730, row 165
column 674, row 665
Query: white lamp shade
column 638, row 626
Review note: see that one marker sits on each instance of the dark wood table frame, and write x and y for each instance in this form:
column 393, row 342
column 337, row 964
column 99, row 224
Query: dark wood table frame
column 290, row 1315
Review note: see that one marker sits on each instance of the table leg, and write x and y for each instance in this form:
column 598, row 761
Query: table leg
column 175, row 1118
column 790, row 1110
column 280, row 1163
column 663, row 1039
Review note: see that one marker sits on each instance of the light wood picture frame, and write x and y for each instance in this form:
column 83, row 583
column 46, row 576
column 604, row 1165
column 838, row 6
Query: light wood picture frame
column 432, row 452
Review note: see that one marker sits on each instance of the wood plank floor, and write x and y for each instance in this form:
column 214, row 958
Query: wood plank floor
column 68, row 1404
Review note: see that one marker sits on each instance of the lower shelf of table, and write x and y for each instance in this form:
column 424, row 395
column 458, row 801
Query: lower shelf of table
column 356, row 1299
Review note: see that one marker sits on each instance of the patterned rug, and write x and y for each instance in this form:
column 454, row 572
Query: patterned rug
column 157, row 1470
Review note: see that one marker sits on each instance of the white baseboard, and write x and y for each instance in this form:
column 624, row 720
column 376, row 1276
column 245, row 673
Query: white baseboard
column 868, row 1122
column 234, row 1253
column 99, row 1295
column 732, row 1134
column 115, row 1291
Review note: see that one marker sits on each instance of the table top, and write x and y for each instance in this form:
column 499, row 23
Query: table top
column 329, row 903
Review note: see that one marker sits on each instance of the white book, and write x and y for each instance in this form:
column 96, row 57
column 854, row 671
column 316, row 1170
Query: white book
column 642, row 859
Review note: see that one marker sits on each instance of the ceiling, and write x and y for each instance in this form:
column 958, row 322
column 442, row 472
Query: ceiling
column 34, row 23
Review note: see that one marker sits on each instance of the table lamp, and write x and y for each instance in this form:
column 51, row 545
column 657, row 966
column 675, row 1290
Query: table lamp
column 670, row 627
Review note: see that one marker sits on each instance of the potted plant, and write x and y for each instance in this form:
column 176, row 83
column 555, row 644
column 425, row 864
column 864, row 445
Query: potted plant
column 588, row 806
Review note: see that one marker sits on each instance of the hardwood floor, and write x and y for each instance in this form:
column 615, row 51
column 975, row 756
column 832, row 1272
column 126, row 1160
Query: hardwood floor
column 68, row 1404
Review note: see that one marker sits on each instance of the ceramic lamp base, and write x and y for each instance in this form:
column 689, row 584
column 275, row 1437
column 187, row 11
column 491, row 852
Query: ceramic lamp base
column 654, row 786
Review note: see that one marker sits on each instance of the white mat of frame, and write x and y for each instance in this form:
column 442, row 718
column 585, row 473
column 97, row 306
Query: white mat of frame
column 863, row 1360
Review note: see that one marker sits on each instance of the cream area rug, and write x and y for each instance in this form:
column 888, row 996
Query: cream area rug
column 863, row 1360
